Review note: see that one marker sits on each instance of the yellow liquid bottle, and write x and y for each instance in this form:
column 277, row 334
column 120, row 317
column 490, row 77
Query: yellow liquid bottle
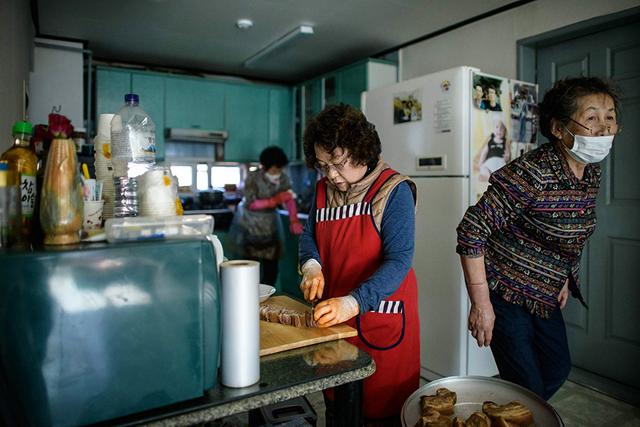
column 23, row 160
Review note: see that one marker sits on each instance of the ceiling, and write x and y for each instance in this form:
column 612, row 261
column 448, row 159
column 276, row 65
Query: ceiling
column 201, row 36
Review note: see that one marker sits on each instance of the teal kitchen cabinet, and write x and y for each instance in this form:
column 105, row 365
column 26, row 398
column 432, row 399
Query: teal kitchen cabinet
column 308, row 103
column 280, row 119
column 312, row 99
column 247, row 121
column 343, row 85
column 288, row 277
column 111, row 86
column 150, row 89
column 192, row 103
column 352, row 82
column 255, row 115
column 347, row 84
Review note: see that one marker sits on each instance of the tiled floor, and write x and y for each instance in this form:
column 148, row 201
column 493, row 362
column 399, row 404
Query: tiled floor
column 578, row 406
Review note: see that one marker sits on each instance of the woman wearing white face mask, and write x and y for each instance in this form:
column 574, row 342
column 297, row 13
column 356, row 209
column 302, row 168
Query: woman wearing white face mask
column 256, row 230
column 520, row 245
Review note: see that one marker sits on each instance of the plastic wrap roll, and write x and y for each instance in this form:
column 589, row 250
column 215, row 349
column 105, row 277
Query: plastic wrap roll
column 240, row 353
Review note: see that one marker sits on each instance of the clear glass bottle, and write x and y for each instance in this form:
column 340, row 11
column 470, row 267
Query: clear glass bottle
column 23, row 160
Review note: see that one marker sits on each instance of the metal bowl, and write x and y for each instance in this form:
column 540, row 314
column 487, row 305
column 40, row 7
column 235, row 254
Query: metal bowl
column 473, row 391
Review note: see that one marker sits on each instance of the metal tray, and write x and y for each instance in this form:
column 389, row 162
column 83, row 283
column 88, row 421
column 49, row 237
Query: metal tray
column 473, row 391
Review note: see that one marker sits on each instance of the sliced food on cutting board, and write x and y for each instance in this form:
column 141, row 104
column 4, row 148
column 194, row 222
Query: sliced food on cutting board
column 276, row 336
column 286, row 316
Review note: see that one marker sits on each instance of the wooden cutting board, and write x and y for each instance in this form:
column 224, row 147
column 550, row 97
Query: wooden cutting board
column 275, row 337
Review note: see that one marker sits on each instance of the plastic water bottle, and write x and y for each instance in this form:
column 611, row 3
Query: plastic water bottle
column 133, row 139
column 133, row 152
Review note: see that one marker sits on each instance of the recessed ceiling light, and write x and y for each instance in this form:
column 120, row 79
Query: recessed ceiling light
column 244, row 24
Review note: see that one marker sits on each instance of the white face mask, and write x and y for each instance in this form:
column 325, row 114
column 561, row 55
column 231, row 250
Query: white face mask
column 272, row 178
column 590, row 149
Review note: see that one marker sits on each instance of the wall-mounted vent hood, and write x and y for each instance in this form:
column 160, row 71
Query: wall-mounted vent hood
column 196, row 135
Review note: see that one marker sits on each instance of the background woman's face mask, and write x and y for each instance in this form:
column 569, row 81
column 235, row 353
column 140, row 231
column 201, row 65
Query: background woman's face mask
column 272, row 178
column 590, row 149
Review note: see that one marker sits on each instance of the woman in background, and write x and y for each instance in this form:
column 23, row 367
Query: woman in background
column 257, row 231
column 356, row 254
column 520, row 245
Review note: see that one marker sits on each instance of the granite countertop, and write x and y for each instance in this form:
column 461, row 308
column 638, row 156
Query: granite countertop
column 283, row 376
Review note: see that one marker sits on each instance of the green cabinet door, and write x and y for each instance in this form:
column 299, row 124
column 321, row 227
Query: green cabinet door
column 247, row 121
column 352, row 82
column 150, row 89
column 111, row 86
column 288, row 277
column 192, row 103
column 313, row 103
column 281, row 120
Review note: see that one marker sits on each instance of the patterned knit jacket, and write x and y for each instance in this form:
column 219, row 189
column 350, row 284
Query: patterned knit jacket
column 531, row 225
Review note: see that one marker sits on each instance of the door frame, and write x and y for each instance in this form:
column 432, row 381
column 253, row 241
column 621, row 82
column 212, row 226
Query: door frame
column 526, row 48
column 526, row 70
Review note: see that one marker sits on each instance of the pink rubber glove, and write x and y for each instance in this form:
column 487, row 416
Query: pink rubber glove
column 296, row 228
column 283, row 197
column 294, row 225
column 259, row 204
column 270, row 203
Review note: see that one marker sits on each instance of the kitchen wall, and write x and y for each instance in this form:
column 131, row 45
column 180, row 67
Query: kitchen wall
column 490, row 44
column 16, row 50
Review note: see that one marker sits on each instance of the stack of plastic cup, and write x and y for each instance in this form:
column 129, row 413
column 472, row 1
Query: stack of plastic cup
column 126, row 197
column 158, row 192
column 103, row 164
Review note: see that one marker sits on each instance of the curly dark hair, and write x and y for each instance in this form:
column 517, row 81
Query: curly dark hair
column 273, row 156
column 561, row 101
column 346, row 127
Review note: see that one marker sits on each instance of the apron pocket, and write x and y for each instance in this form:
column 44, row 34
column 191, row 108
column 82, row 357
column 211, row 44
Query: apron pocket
column 386, row 314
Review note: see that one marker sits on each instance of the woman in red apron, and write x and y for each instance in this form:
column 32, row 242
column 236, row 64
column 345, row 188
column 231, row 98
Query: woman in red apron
column 356, row 253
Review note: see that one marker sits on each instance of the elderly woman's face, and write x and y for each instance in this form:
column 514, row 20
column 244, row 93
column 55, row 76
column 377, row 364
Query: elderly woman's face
column 337, row 167
column 597, row 115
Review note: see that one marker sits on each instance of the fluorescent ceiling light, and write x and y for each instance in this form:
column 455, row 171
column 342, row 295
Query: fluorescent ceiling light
column 300, row 31
column 244, row 24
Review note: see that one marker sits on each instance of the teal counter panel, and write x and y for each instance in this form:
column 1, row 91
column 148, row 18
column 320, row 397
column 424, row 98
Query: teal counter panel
column 102, row 331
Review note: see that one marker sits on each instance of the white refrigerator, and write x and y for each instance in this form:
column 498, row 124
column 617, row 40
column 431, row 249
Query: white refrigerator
column 448, row 131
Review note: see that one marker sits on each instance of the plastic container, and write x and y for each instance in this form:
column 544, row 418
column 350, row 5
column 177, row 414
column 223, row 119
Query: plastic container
column 9, row 207
column 146, row 228
column 23, row 160
column 157, row 192
column 133, row 139
column 103, row 164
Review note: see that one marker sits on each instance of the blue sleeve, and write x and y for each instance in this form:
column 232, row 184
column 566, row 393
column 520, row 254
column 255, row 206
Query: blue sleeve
column 307, row 247
column 398, row 239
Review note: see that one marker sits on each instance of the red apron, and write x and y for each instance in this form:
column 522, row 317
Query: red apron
column 351, row 251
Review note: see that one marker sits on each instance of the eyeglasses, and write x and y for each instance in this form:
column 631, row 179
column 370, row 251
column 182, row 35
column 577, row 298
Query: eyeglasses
column 611, row 126
column 325, row 168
